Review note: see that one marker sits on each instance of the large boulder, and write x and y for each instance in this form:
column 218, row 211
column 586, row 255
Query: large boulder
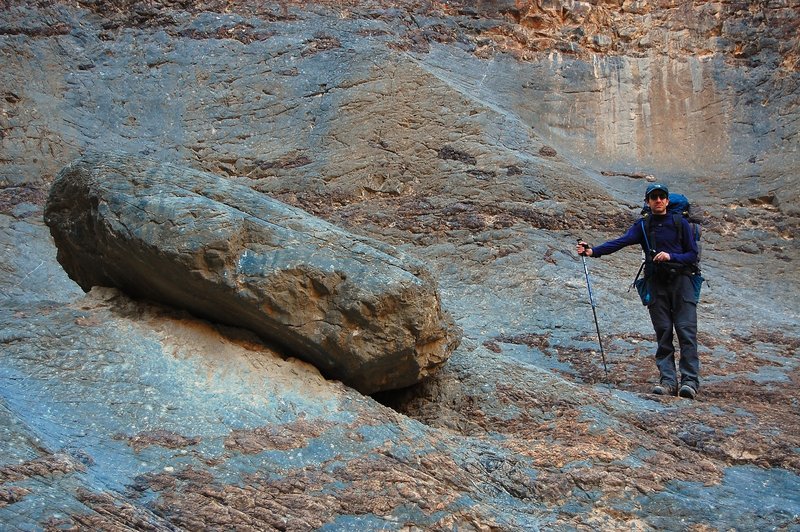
column 359, row 310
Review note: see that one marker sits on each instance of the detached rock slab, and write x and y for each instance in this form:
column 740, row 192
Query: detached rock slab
column 359, row 310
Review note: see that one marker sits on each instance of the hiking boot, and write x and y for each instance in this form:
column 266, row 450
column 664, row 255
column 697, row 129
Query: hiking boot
column 664, row 388
column 687, row 392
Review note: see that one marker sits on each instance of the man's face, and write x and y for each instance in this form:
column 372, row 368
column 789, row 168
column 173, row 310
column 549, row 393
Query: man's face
column 658, row 201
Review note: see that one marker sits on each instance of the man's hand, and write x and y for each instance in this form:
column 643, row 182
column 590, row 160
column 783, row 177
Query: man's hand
column 662, row 256
column 583, row 249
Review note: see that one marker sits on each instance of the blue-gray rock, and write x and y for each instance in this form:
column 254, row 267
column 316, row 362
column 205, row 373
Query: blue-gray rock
column 460, row 133
column 360, row 311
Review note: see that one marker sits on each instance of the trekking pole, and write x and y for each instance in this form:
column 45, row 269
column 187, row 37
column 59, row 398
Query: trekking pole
column 594, row 312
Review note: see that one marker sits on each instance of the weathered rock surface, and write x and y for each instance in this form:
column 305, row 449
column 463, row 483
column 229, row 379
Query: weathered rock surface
column 483, row 137
column 359, row 310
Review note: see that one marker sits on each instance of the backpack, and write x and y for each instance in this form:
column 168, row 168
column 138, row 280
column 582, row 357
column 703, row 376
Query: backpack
column 678, row 207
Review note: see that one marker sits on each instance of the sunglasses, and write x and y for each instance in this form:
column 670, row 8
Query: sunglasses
column 658, row 195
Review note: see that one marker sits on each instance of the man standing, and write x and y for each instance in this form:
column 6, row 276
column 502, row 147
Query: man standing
column 670, row 255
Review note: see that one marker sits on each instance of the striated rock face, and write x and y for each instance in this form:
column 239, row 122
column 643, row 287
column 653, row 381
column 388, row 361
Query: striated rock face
column 678, row 89
column 482, row 137
column 359, row 310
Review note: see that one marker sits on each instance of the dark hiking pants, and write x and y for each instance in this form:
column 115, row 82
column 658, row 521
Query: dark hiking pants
column 674, row 308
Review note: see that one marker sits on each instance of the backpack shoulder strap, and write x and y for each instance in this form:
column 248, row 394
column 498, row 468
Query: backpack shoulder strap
column 649, row 238
column 677, row 220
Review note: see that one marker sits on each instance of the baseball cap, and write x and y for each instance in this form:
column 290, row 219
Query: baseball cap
column 654, row 187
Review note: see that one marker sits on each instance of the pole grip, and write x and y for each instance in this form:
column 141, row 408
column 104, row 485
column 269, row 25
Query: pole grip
column 585, row 245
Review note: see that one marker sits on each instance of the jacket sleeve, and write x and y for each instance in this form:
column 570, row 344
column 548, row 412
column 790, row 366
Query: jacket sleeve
column 632, row 236
column 690, row 251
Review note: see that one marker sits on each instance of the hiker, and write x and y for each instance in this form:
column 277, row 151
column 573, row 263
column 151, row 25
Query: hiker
column 669, row 261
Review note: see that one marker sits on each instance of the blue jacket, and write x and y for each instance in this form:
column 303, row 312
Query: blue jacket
column 666, row 239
